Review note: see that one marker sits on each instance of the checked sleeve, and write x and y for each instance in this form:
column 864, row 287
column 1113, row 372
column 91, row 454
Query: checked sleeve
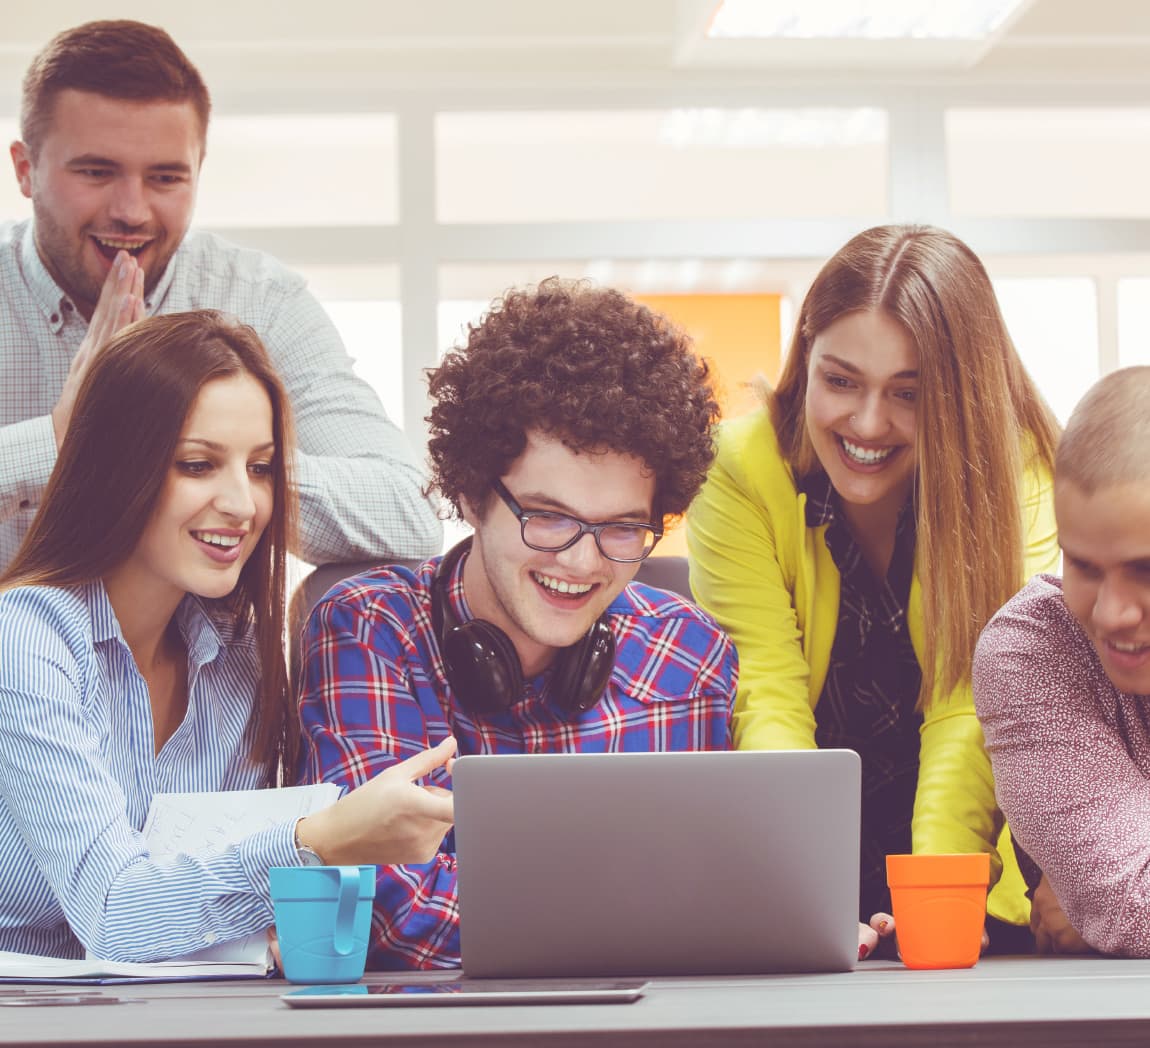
column 367, row 704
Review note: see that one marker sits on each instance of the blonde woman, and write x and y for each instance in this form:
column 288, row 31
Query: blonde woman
column 856, row 535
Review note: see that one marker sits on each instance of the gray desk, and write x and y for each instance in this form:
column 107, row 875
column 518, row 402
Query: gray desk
column 1003, row 1001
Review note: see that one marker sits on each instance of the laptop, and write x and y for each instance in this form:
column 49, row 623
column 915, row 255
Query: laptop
column 646, row 864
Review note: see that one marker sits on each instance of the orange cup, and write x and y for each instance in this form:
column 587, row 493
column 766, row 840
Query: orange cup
column 939, row 904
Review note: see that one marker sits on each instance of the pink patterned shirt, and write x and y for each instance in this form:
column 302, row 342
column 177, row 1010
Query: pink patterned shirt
column 1071, row 758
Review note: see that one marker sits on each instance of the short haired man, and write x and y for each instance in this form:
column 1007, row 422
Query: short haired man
column 1062, row 687
column 113, row 123
column 568, row 428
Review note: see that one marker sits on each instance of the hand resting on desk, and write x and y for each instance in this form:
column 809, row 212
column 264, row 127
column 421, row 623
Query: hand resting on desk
column 881, row 930
column 881, row 927
column 1053, row 932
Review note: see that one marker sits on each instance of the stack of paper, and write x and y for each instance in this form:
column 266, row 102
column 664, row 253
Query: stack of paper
column 192, row 824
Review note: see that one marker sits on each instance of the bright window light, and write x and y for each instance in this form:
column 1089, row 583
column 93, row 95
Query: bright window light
column 861, row 19
column 1133, row 322
column 1054, row 324
column 372, row 336
column 637, row 165
column 749, row 128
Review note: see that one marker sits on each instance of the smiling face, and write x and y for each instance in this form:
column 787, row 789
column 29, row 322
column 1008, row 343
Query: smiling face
column 1105, row 539
column 110, row 174
column 215, row 503
column 862, row 385
column 547, row 601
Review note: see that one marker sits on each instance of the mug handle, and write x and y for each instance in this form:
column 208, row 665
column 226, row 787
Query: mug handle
column 345, row 910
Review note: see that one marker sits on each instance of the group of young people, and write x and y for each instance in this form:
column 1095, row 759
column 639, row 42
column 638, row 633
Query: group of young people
column 177, row 415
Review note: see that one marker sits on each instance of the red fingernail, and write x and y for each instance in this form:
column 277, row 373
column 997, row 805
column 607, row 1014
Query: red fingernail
column 863, row 951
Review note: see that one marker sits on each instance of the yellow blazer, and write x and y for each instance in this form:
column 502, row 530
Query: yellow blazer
column 771, row 582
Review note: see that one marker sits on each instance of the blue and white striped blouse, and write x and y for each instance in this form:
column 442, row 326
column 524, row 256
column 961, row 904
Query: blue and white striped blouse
column 78, row 771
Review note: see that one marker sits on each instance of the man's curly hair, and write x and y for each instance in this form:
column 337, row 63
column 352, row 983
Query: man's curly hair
column 586, row 365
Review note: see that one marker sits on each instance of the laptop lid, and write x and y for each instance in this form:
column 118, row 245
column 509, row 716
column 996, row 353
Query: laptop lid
column 658, row 863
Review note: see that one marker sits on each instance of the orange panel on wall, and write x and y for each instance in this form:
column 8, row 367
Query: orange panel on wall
column 740, row 335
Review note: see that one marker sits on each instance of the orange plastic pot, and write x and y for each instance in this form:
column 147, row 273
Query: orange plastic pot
column 939, row 904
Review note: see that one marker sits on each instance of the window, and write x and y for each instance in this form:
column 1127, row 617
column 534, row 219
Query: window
column 1049, row 162
column 630, row 165
column 299, row 170
column 1054, row 324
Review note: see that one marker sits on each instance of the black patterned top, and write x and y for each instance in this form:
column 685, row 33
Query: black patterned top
column 868, row 700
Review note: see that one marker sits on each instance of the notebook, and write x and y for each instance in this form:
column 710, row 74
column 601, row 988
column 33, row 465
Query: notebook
column 197, row 824
column 658, row 863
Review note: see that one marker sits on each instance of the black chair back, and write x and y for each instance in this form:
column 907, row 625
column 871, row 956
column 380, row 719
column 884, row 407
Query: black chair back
column 669, row 573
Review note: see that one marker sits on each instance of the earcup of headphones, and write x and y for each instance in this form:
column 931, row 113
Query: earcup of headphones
column 583, row 670
column 482, row 665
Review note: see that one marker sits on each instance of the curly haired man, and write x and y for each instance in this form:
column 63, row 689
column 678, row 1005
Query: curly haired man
column 566, row 431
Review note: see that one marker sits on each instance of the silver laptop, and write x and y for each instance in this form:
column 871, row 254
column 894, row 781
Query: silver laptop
column 658, row 863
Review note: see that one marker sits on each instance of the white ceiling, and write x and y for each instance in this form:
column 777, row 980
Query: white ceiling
column 386, row 45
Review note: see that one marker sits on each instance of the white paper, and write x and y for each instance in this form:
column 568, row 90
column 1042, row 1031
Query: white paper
column 208, row 823
column 192, row 824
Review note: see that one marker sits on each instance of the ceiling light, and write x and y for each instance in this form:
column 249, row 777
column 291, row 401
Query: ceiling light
column 861, row 19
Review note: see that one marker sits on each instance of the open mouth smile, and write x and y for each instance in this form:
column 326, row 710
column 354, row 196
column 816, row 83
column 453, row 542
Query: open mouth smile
column 109, row 246
column 1127, row 647
column 865, row 456
column 214, row 539
column 559, row 588
column 222, row 548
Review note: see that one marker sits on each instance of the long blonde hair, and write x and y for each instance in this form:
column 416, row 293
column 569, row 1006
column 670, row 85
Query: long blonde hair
column 980, row 422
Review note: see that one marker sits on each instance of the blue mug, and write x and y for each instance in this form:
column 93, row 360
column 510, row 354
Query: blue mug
column 323, row 920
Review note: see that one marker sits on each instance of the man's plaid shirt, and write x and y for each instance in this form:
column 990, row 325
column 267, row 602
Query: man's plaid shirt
column 375, row 693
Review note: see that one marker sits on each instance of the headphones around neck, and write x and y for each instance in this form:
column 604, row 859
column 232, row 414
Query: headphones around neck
column 483, row 666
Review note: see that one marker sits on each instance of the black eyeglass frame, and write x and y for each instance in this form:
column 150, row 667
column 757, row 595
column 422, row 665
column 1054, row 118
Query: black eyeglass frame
column 525, row 515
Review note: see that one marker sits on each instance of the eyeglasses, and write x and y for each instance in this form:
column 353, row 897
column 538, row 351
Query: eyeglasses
column 550, row 532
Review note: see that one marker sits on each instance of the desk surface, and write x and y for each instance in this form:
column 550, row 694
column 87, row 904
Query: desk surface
column 1002, row 1001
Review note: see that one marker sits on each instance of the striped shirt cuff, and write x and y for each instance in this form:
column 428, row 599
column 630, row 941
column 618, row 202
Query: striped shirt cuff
column 261, row 851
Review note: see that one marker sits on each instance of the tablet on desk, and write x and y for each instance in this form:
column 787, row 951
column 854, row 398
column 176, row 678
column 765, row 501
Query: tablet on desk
column 467, row 991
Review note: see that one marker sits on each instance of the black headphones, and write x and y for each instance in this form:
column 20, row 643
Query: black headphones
column 482, row 664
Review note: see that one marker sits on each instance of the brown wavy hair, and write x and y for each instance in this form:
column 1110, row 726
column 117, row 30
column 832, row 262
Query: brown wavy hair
column 587, row 365
column 115, row 458
column 980, row 422
column 114, row 58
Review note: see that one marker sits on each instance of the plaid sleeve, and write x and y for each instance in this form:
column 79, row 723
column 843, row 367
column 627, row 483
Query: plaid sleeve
column 363, row 709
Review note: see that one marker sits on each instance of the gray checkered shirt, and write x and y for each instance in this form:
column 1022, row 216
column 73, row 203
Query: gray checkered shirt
column 358, row 480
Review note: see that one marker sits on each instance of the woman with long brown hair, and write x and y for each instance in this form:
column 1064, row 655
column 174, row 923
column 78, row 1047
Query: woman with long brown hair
column 856, row 535
column 141, row 650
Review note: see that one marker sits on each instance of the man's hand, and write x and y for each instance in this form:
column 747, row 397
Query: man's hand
column 121, row 303
column 388, row 819
column 1053, row 933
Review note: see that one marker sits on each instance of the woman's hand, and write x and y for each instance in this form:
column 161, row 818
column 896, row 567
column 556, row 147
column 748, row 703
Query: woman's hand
column 881, row 928
column 387, row 820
